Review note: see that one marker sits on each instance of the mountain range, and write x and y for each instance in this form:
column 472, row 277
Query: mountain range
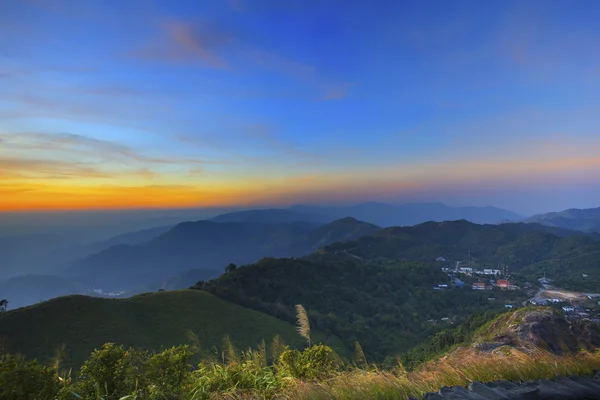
column 363, row 284
column 587, row 220
column 209, row 246
column 172, row 256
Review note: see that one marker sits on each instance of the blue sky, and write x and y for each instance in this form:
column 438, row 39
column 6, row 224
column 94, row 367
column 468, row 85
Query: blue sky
column 240, row 102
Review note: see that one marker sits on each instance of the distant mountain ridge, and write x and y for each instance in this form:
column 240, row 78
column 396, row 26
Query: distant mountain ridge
column 210, row 246
column 272, row 216
column 385, row 215
column 380, row 214
column 585, row 220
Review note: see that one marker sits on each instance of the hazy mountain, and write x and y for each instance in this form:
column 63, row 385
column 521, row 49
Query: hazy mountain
column 208, row 246
column 587, row 220
column 272, row 216
column 410, row 214
column 133, row 238
column 30, row 289
column 43, row 242
column 38, row 253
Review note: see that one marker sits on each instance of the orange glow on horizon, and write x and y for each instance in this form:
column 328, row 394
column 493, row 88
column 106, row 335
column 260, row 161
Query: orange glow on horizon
column 351, row 186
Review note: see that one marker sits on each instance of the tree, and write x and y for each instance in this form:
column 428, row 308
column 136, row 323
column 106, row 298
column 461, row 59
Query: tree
column 3, row 305
column 230, row 268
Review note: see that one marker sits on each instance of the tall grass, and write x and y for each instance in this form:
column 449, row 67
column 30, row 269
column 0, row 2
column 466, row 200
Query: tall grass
column 303, row 323
column 459, row 369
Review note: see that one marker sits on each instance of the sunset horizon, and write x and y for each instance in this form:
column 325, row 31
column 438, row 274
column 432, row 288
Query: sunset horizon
column 177, row 105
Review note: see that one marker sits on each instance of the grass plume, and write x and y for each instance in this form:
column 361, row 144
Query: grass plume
column 303, row 323
column 277, row 347
column 360, row 355
column 229, row 352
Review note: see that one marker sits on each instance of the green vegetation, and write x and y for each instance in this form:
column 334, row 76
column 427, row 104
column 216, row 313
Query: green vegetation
column 516, row 245
column 116, row 373
column 372, row 297
column 275, row 371
column 386, row 308
column 445, row 340
column 152, row 321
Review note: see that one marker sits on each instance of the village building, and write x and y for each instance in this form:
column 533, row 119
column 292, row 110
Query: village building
column 478, row 286
column 503, row 283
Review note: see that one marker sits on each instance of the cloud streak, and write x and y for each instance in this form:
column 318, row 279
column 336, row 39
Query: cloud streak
column 35, row 156
column 181, row 41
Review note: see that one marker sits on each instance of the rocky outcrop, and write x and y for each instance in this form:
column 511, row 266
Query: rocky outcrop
column 538, row 328
column 571, row 388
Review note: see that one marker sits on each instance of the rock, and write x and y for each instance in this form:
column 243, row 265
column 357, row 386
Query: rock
column 579, row 389
column 488, row 392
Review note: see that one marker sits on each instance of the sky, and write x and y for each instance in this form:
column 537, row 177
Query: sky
column 128, row 104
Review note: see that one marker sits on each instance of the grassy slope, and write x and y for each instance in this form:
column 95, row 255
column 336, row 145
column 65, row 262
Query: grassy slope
column 151, row 321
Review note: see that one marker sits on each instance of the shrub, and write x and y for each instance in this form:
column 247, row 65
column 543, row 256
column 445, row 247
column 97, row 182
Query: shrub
column 169, row 374
column 314, row 362
column 27, row 380
column 110, row 373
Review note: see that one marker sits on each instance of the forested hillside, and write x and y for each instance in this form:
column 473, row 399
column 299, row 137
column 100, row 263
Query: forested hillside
column 527, row 249
column 385, row 308
column 209, row 246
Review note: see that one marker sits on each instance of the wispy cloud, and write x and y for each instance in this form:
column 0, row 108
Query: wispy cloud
column 24, row 168
column 73, row 156
column 182, row 41
column 336, row 92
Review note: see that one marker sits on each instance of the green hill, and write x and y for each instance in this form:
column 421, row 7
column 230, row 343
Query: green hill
column 528, row 249
column 150, row 321
column 378, row 289
column 386, row 308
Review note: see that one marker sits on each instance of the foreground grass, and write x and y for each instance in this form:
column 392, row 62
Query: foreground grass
column 458, row 369
column 272, row 371
column 115, row 373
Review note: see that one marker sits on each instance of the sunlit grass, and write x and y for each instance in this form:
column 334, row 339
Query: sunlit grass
column 459, row 369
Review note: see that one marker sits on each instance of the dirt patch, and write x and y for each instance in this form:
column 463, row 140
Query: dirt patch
column 562, row 294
